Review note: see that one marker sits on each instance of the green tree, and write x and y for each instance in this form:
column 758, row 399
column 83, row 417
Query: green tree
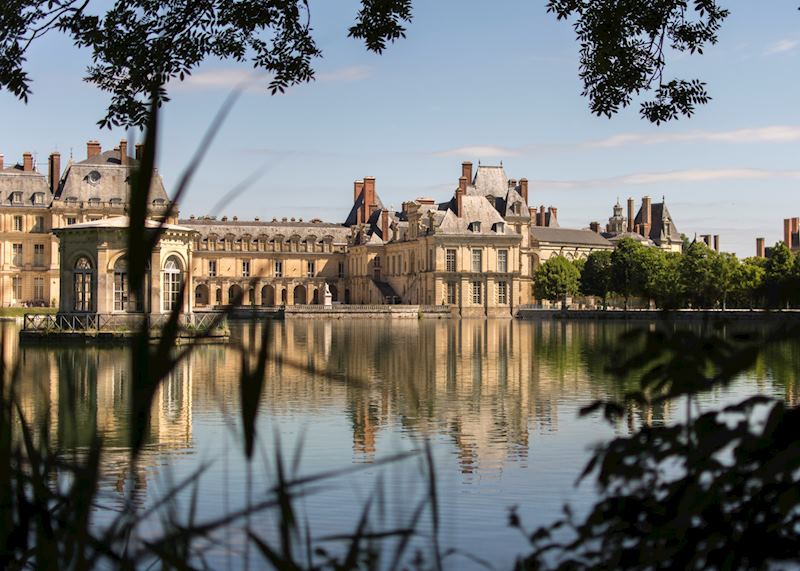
column 697, row 275
column 725, row 272
column 556, row 279
column 778, row 276
column 749, row 282
column 628, row 269
column 664, row 283
column 596, row 275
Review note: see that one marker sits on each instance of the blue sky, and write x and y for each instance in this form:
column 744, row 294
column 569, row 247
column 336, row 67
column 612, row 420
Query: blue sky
column 472, row 81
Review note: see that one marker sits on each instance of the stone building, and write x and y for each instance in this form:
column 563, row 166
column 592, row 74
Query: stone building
column 652, row 225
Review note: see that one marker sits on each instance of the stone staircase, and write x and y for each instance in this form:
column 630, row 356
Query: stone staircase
column 387, row 291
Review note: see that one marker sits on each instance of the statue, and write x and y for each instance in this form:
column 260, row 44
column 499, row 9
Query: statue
column 327, row 296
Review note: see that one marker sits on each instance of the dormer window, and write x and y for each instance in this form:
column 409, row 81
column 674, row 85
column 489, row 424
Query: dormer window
column 500, row 227
column 71, row 199
column 516, row 208
column 94, row 201
column 115, row 201
column 474, row 226
column 16, row 197
column 38, row 198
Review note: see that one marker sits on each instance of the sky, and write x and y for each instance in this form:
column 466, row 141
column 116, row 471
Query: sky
column 479, row 81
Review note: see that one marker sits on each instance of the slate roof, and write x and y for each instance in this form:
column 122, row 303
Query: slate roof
column 489, row 180
column 569, row 236
column 122, row 222
column 254, row 229
column 14, row 179
column 105, row 179
column 658, row 230
column 476, row 209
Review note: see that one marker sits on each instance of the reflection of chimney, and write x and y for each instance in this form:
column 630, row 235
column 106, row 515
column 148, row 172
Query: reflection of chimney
column 466, row 171
column 716, row 242
column 385, row 225
column 54, row 170
column 123, row 152
column 760, row 249
column 523, row 189
column 631, row 215
column 27, row 162
column 787, row 232
column 92, row 149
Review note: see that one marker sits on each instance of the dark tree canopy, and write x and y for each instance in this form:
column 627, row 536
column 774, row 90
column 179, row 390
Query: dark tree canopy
column 138, row 46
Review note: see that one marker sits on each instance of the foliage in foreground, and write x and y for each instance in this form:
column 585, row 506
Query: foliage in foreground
column 718, row 490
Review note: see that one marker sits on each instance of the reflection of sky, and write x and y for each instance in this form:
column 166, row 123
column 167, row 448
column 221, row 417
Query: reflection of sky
column 498, row 400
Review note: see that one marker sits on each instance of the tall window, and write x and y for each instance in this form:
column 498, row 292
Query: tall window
column 311, row 269
column 121, row 285
column 477, row 293
column 172, row 281
column 82, row 278
column 17, row 223
column 38, row 225
column 451, row 294
column 71, row 220
column 212, row 268
column 246, row 268
column 450, row 257
column 38, row 254
column 16, row 254
column 502, row 261
column 38, row 289
column 341, row 269
column 502, row 293
column 278, row 268
column 16, row 285
column 477, row 260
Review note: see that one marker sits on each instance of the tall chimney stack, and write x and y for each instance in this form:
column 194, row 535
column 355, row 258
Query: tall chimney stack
column 716, row 243
column 523, row 189
column 123, row 152
column 787, row 232
column 92, row 149
column 369, row 197
column 594, row 227
column 385, row 225
column 534, row 217
column 466, row 171
column 54, row 170
column 27, row 162
column 553, row 216
column 761, row 251
column 631, row 214
column 542, row 221
column 460, row 192
column 647, row 218
column 358, row 186
column 138, row 151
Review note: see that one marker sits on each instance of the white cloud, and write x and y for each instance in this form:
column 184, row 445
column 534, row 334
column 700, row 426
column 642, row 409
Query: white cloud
column 781, row 46
column 488, row 151
column 678, row 176
column 253, row 80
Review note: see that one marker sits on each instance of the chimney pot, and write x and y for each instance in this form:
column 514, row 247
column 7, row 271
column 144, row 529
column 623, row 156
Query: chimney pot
column 27, row 162
column 92, row 149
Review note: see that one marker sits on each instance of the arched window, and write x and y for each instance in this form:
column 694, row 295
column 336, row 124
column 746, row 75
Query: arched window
column 121, row 285
column 171, row 283
column 83, row 282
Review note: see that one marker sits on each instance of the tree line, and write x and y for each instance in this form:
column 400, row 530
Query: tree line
column 698, row 278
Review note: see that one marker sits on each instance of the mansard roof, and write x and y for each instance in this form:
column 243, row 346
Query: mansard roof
column 104, row 178
column 475, row 209
column 569, row 236
column 489, row 180
column 15, row 179
column 254, row 228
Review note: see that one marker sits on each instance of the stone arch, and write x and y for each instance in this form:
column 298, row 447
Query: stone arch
column 201, row 295
column 268, row 295
column 234, row 292
column 299, row 295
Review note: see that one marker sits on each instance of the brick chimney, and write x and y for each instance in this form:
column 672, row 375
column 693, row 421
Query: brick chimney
column 787, row 232
column 631, row 214
column 553, row 216
column 795, row 232
column 594, row 227
column 385, row 225
column 123, row 152
column 542, row 221
column 27, row 162
column 139, row 151
column 523, row 189
column 92, row 149
column 716, row 242
column 466, row 171
column 532, row 212
column 761, row 251
column 369, row 197
column 54, row 170
column 647, row 216
column 460, row 192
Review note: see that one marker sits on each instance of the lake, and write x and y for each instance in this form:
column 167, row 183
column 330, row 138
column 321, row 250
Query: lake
column 498, row 401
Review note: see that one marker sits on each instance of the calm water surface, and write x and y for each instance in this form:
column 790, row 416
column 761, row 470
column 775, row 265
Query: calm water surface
column 498, row 400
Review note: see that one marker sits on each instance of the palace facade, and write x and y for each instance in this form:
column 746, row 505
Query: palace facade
column 476, row 251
